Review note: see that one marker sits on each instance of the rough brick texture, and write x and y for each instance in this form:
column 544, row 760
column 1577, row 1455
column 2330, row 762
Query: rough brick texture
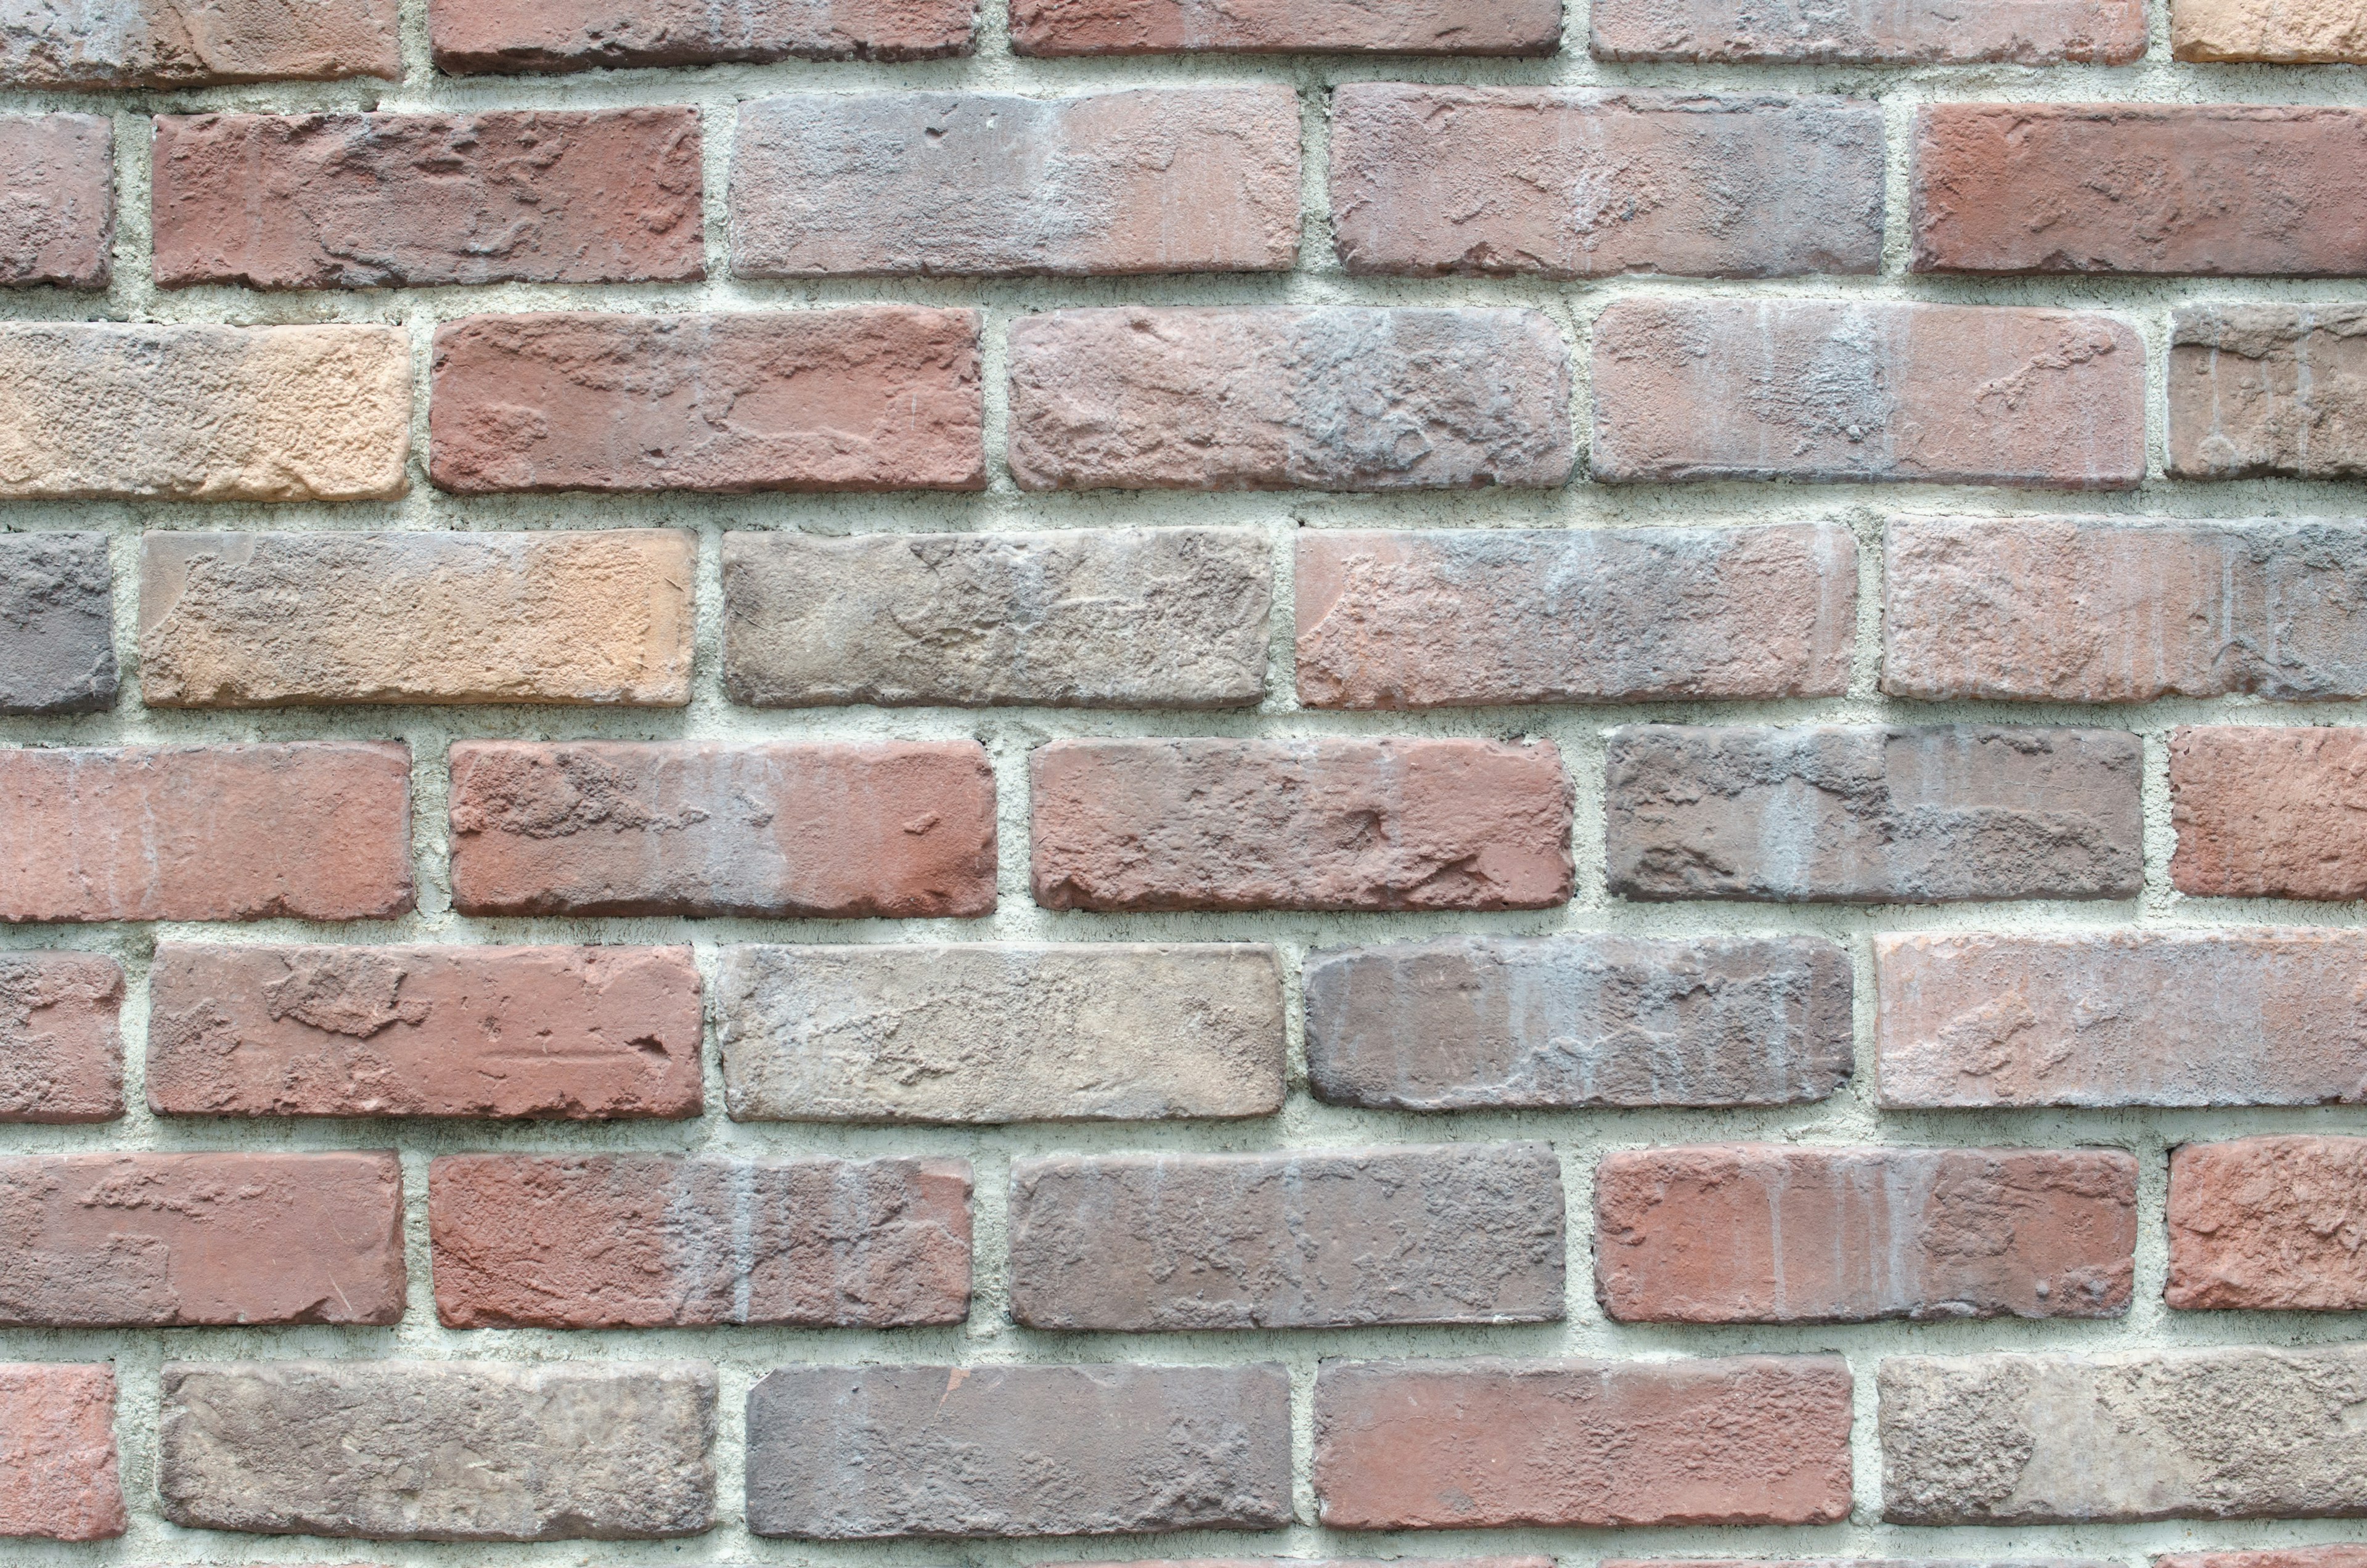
column 2161, row 1018
column 57, row 624
column 1473, row 617
column 318, row 830
column 849, row 1453
column 2271, row 1223
column 1935, row 32
column 1478, row 1023
column 652, row 1241
column 991, row 1033
column 1458, row 1445
column 573, row 1032
column 2218, row 1433
column 165, row 44
column 1407, row 27
column 1198, row 179
column 2268, row 812
column 1459, row 1233
column 2282, row 32
column 57, row 1453
column 378, row 201
column 482, row 36
column 61, row 1057
column 1134, row 617
column 2224, row 189
column 159, row 1240
column 1823, row 390
column 1335, row 398
column 1757, row 1233
column 1494, row 180
column 439, row 1451
column 898, row 828
column 1339, row 824
column 2097, row 610
column 2337, row 1556
column 1849, row 813
column 2258, row 388
column 57, row 200
column 108, row 412
column 867, row 397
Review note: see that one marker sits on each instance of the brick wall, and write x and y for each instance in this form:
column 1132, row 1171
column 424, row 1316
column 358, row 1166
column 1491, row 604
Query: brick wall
column 838, row 784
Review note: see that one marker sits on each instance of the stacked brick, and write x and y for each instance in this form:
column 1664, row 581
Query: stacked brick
column 748, row 797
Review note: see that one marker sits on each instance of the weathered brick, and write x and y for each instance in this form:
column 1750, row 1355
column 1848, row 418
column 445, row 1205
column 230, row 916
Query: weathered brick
column 1862, row 1562
column 439, row 1451
column 848, row 1453
column 2337, row 1556
column 57, row 1451
column 2121, row 1018
column 159, row 1240
column 1881, row 32
column 57, row 197
column 1432, row 180
column 2221, row 189
column 165, row 44
column 1824, row 390
column 104, row 412
column 980, row 1033
column 482, row 36
column 651, row 1241
column 831, row 829
column 1451, row 1233
column 1474, row 1022
column 2124, row 1435
column 266, row 620
column 575, row 1032
column 2260, row 389
column 1536, row 1562
column 1118, row 617
column 865, row 397
column 2267, row 811
column 1868, row 814
column 1272, row 27
column 2106, row 609
column 57, row 624
column 60, row 1055
column 1337, row 398
column 392, row 200
column 1332, row 824
column 1759, row 1233
column 320, row 830
column 1475, row 616
column 1173, row 179
column 2282, row 32
column 1461, row 1445
column 2271, row 1224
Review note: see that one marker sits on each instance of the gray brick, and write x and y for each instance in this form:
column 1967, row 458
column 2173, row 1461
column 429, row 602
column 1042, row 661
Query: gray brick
column 57, row 624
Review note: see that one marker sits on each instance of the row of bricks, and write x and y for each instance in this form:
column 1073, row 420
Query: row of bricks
column 1342, row 397
column 1441, row 1234
column 1424, row 180
column 2023, row 609
column 903, row 830
column 246, row 40
column 482, row 1451
column 983, row 1034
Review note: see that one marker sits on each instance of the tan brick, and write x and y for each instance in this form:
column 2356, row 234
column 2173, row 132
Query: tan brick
column 61, row 1054
column 2282, row 32
column 1270, row 27
column 1883, row 32
column 2268, row 388
column 57, row 1439
column 166, row 44
column 480, row 37
column 57, row 199
column 2269, row 811
column 2269, row 1224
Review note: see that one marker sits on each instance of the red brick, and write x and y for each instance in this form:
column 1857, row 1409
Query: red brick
column 2223, row 190
column 653, row 1241
column 320, row 830
column 57, row 199
column 159, row 1240
column 1884, row 32
column 168, row 44
column 2269, row 1224
column 1336, row 824
column 1824, row 390
column 1195, row 179
column 867, row 397
column 837, row 830
column 1744, row 1232
column 1462, row 1445
column 2269, row 811
column 2268, row 388
column 60, row 1055
column 481, row 37
column 1274, row 26
column 1475, row 616
column 388, row 200
column 1433, row 180
column 57, row 1453
column 2339, row 1556
column 574, row 1032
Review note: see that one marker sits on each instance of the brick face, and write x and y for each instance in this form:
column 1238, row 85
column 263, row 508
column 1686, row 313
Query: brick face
column 2267, row 812
column 57, row 200
column 1414, row 27
column 61, row 1057
column 473, row 38
column 2030, row 32
column 2311, row 32
column 159, row 44
column 2257, row 390
column 2270, row 1223
column 57, row 624
column 57, row 1428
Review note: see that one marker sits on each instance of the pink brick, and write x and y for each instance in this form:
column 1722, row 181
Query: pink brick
column 57, row 1453
column 1271, row 27
column 2269, row 811
column 57, row 200
column 60, row 1055
column 480, row 37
